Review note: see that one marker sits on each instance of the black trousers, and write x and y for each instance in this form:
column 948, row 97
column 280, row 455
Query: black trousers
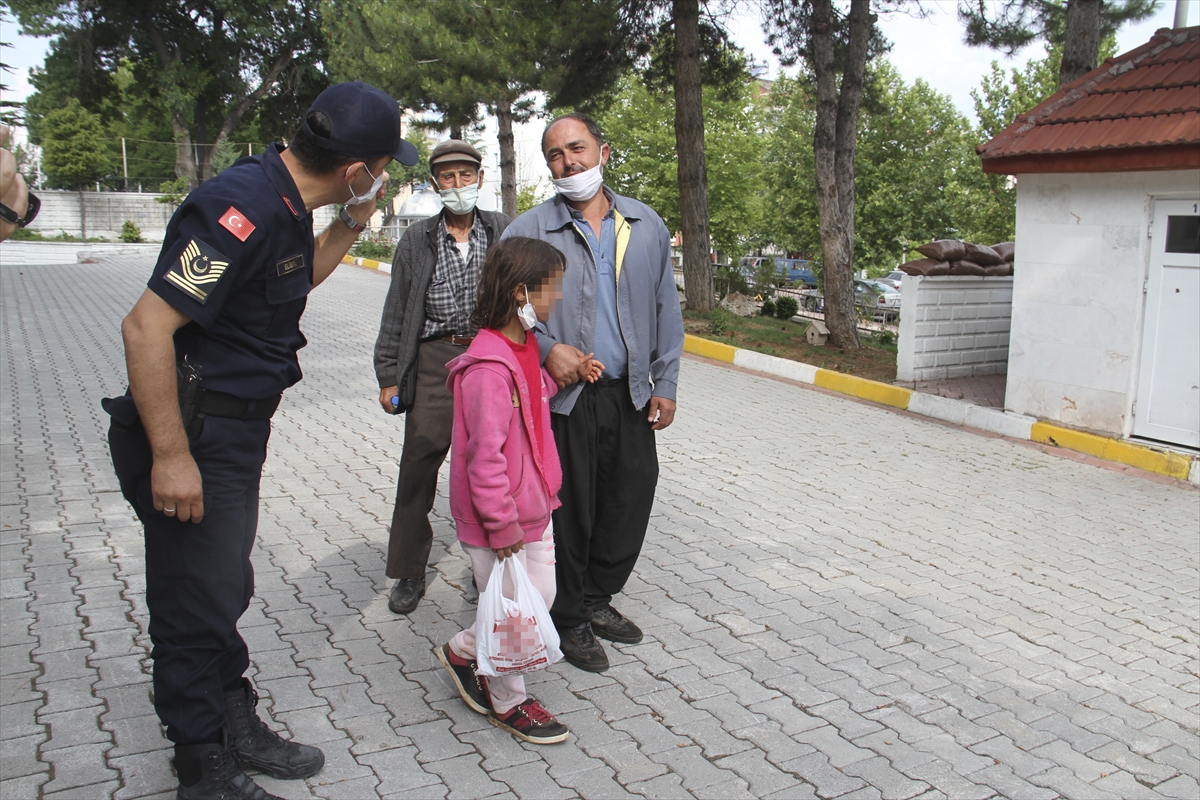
column 427, row 429
column 610, row 471
column 199, row 580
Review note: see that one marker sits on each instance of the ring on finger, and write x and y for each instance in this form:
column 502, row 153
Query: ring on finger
column 168, row 510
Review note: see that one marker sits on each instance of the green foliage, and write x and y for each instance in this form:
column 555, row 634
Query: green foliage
column 768, row 308
column 640, row 127
column 451, row 56
column 786, row 307
column 374, row 246
column 914, row 153
column 173, row 191
column 1012, row 24
column 31, row 235
column 196, row 73
column 131, row 233
column 728, row 279
column 719, row 321
column 528, row 196
column 73, row 152
column 766, row 278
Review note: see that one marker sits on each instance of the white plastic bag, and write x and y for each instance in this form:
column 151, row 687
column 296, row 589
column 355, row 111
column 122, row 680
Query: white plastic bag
column 513, row 636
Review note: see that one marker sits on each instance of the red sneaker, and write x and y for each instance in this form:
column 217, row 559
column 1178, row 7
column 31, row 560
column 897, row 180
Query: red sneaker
column 471, row 687
column 531, row 722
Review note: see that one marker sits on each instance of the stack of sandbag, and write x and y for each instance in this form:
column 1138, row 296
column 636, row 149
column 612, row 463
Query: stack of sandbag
column 952, row 257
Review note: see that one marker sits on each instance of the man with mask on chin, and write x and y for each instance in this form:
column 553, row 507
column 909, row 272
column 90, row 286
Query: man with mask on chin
column 210, row 346
column 620, row 304
column 427, row 322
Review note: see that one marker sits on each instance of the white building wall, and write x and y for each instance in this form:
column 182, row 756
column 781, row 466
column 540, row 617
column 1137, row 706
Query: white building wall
column 953, row 326
column 1082, row 250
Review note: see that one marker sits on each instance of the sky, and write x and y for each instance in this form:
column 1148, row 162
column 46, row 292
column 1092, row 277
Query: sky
column 930, row 48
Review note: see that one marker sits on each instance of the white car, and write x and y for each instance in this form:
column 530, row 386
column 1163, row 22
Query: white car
column 892, row 279
column 876, row 299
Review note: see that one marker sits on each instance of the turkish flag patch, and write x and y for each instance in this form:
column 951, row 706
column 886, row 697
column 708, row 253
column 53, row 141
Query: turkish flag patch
column 236, row 223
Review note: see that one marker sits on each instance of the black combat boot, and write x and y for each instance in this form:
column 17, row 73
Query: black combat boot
column 210, row 772
column 256, row 745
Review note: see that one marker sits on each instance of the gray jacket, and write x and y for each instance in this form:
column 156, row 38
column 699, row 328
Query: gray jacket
column 404, row 310
column 647, row 301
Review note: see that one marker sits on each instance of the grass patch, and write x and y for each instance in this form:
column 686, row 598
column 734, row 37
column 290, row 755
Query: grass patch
column 30, row 235
column 875, row 360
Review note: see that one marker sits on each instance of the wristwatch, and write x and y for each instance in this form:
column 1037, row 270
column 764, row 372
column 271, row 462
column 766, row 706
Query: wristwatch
column 351, row 222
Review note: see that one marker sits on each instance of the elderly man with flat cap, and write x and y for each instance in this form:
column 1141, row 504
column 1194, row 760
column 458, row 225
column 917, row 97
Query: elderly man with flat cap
column 426, row 322
column 210, row 347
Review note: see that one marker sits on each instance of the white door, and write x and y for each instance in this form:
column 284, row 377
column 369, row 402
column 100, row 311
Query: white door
column 1167, row 406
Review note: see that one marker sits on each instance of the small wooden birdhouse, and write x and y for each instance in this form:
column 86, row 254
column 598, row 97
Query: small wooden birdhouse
column 817, row 333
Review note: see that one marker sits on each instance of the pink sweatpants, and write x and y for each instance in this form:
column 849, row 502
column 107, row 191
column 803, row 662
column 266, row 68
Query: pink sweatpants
column 508, row 692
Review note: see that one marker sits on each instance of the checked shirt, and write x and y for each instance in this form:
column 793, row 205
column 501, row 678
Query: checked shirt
column 451, row 295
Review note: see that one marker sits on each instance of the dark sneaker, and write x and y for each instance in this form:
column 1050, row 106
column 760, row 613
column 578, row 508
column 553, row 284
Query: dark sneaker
column 580, row 648
column 471, row 687
column 211, row 772
column 256, row 745
column 406, row 594
column 531, row 722
column 608, row 623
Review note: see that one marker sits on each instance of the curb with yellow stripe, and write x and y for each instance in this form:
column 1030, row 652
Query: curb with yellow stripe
column 1006, row 423
column 382, row 266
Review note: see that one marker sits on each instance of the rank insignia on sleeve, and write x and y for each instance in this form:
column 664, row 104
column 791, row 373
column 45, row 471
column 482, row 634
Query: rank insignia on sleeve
column 236, row 223
column 197, row 270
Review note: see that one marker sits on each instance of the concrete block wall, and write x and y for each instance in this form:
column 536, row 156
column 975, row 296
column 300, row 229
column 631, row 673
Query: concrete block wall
column 106, row 213
column 953, row 326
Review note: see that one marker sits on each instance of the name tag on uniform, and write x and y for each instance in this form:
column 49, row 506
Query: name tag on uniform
column 290, row 264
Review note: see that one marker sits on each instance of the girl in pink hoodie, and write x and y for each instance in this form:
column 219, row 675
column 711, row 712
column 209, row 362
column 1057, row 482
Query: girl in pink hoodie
column 504, row 471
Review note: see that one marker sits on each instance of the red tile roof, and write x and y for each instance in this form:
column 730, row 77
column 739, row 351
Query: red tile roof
column 1137, row 111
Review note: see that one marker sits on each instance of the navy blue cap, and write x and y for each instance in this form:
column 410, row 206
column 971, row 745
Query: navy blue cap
column 365, row 122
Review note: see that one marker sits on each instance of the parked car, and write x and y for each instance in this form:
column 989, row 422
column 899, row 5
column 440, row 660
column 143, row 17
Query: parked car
column 790, row 271
column 875, row 297
column 796, row 272
column 892, row 279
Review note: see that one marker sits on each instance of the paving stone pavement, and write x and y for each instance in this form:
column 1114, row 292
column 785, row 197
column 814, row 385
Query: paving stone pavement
column 839, row 601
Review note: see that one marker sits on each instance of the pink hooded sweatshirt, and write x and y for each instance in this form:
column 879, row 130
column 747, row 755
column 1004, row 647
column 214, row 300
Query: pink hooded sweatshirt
column 502, row 489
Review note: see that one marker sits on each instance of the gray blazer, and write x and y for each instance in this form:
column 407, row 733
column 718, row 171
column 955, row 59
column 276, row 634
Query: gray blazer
column 404, row 310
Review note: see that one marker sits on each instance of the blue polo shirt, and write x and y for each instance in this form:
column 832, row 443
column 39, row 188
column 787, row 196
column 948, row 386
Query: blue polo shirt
column 237, row 259
column 608, row 346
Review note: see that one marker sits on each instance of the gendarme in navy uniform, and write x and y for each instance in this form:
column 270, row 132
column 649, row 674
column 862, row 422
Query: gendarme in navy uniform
column 210, row 347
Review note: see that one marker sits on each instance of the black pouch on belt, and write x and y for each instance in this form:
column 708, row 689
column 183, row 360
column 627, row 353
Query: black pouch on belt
column 188, row 378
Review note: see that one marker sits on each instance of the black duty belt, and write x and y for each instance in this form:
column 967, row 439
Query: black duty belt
column 219, row 404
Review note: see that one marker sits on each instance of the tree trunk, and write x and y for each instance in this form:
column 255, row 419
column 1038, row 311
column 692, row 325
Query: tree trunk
column 82, row 216
column 241, row 107
column 834, row 145
column 508, row 158
column 1081, row 47
column 689, row 144
column 185, row 162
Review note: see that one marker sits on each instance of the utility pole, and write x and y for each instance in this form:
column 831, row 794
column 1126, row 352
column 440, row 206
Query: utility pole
column 124, row 166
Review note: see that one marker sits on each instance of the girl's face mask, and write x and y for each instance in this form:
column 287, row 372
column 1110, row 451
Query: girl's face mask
column 526, row 313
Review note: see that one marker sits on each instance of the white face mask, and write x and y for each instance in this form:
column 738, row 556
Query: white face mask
column 460, row 201
column 356, row 199
column 582, row 185
column 526, row 313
